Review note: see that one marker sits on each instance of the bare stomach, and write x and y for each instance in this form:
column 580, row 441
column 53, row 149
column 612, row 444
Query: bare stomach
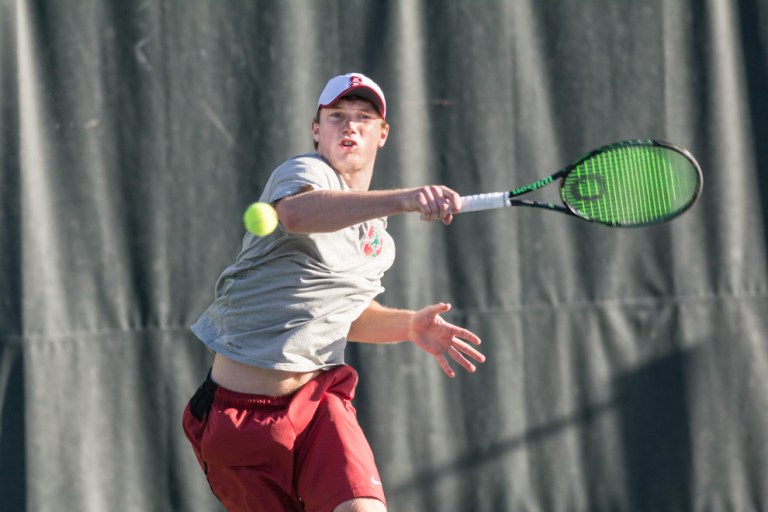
column 244, row 378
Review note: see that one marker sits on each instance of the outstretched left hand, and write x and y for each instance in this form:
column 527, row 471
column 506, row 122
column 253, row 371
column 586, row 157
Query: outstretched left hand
column 441, row 339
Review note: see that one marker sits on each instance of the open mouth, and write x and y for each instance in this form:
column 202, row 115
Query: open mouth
column 348, row 144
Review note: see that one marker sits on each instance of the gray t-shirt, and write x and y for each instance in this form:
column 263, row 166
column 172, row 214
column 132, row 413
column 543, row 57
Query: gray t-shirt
column 288, row 300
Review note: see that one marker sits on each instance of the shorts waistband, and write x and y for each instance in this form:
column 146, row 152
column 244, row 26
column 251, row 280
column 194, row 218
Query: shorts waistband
column 229, row 398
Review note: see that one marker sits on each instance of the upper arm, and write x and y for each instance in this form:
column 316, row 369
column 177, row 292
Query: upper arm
column 283, row 204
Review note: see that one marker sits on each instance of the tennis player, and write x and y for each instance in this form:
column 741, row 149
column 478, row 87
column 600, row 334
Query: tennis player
column 272, row 425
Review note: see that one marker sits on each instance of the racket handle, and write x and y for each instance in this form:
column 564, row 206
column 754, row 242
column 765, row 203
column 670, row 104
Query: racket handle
column 483, row 202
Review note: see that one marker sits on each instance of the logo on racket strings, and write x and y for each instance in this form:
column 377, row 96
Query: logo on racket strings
column 587, row 188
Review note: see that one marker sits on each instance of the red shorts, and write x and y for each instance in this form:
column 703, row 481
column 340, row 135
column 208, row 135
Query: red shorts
column 300, row 452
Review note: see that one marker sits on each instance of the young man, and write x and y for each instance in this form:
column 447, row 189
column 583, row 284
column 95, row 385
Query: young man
column 273, row 426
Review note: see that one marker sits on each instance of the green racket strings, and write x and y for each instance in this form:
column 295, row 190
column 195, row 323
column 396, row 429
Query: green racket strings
column 632, row 185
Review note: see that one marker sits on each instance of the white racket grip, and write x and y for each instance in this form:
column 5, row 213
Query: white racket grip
column 483, row 202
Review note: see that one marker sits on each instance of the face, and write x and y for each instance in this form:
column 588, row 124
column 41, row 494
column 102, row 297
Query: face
column 349, row 133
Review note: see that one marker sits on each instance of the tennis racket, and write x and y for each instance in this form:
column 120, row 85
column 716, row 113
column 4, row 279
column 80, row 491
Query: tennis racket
column 631, row 183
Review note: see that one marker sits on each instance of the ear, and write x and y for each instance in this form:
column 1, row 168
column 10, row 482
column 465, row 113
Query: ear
column 315, row 131
column 384, row 135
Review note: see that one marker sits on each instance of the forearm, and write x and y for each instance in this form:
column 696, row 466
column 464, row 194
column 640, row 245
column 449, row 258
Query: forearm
column 324, row 211
column 380, row 324
column 425, row 328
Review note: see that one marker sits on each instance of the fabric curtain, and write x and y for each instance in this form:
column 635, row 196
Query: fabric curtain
column 627, row 369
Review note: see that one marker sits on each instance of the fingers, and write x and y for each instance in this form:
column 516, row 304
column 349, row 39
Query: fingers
column 443, row 339
column 464, row 334
column 457, row 351
column 461, row 347
column 437, row 309
column 437, row 202
column 443, row 361
column 463, row 361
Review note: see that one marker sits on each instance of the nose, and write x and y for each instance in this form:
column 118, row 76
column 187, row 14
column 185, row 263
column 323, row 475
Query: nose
column 349, row 125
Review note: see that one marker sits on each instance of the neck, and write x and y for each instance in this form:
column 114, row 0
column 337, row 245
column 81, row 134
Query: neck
column 359, row 180
column 356, row 178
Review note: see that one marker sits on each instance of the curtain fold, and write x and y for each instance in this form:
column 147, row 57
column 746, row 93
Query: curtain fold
column 627, row 369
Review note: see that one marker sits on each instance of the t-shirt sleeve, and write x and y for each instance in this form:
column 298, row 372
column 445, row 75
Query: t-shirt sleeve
column 299, row 174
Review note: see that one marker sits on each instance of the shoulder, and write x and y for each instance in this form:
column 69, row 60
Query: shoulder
column 301, row 173
column 309, row 168
column 306, row 161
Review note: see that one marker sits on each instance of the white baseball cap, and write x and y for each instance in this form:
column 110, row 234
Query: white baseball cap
column 352, row 83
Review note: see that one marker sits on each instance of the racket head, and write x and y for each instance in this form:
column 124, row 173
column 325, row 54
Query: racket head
column 632, row 183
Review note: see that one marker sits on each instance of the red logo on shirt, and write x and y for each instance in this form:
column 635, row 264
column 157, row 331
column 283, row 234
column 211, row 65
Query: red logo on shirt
column 372, row 245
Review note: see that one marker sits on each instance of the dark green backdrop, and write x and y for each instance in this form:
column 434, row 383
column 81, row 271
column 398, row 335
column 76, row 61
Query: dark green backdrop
column 627, row 370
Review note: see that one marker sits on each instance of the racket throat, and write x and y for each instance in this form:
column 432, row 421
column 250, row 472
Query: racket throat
column 532, row 186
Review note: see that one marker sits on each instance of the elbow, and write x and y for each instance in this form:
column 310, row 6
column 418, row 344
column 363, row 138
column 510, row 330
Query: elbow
column 290, row 218
column 290, row 224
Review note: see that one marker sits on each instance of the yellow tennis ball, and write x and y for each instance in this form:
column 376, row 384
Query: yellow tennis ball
column 260, row 219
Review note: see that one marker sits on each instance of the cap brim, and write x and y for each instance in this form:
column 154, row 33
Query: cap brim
column 364, row 92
